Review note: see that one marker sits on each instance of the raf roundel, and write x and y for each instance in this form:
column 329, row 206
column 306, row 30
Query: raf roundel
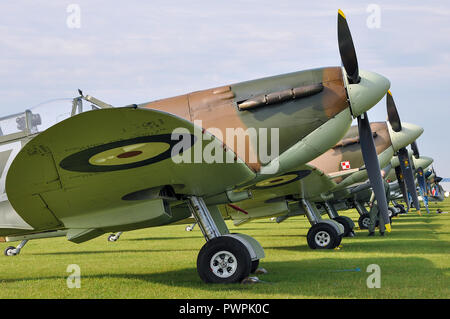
column 124, row 154
column 283, row 179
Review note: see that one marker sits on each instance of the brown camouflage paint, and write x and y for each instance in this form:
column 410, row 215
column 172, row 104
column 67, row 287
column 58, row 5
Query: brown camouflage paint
column 347, row 150
column 217, row 107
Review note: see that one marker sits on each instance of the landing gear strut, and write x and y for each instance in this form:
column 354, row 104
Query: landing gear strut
column 364, row 217
column 13, row 251
column 114, row 237
column 343, row 220
column 324, row 234
column 190, row 227
column 225, row 258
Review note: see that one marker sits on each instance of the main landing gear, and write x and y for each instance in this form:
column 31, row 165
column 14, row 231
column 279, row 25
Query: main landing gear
column 190, row 227
column 399, row 207
column 13, row 251
column 345, row 221
column 364, row 217
column 114, row 237
column 225, row 258
column 323, row 234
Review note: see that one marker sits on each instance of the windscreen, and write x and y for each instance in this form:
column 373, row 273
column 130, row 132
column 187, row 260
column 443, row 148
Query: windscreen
column 42, row 116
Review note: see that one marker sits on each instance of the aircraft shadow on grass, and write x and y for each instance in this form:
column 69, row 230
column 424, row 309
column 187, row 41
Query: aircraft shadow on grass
column 82, row 252
column 317, row 278
column 401, row 247
column 160, row 238
column 417, row 239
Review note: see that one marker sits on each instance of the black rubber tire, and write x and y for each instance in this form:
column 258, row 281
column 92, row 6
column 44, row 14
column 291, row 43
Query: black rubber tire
column 361, row 221
column 338, row 241
column 402, row 208
column 225, row 243
column 334, row 241
column 344, row 221
column 393, row 212
column 255, row 264
column 5, row 252
column 377, row 222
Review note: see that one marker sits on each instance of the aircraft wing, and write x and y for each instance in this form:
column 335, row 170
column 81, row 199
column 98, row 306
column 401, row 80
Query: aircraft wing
column 105, row 169
column 269, row 196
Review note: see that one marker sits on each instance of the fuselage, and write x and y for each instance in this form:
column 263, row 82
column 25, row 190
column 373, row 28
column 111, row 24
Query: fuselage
column 300, row 105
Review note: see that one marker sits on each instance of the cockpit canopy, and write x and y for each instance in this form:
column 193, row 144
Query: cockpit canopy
column 42, row 116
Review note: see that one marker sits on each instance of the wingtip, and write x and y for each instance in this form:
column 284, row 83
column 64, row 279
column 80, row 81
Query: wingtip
column 341, row 13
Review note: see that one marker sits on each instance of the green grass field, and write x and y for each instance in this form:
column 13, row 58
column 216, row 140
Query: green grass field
column 160, row 263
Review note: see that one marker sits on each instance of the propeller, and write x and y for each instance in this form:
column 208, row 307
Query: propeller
column 403, row 157
column 350, row 64
column 408, row 175
column 437, row 179
column 423, row 187
column 373, row 167
column 347, row 49
column 393, row 117
column 415, row 149
column 402, row 185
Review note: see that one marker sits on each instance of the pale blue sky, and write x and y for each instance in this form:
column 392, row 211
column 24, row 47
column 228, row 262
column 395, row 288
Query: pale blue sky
column 132, row 52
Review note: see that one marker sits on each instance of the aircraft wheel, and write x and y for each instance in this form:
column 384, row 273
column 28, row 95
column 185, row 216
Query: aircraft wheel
column 10, row 251
column 338, row 241
column 402, row 209
column 364, row 221
column 323, row 236
column 188, row 228
column 392, row 211
column 255, row 264
column 112, row 237
column 344, row 222
column 223, row 260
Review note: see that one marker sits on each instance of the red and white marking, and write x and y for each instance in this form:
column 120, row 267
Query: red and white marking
column 345, row 165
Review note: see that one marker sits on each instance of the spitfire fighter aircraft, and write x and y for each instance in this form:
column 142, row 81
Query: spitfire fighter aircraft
column 119, row 169
column 436, row 191
column 327, row 180
column 327, row 184
column 359, row 194
column 418, row 165
column 362, row 194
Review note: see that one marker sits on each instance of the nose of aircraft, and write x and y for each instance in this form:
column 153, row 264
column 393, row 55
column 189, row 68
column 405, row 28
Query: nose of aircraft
column 408, row 134
column 422, row 161
column 368, row 92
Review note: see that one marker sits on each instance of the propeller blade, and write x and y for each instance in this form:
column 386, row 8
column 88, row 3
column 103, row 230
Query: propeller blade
column 415, row 149
column 401, row 183
column 408, row 176
column 393, row 117
column 347, row 49
column 373, row 167
column 423, row 187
